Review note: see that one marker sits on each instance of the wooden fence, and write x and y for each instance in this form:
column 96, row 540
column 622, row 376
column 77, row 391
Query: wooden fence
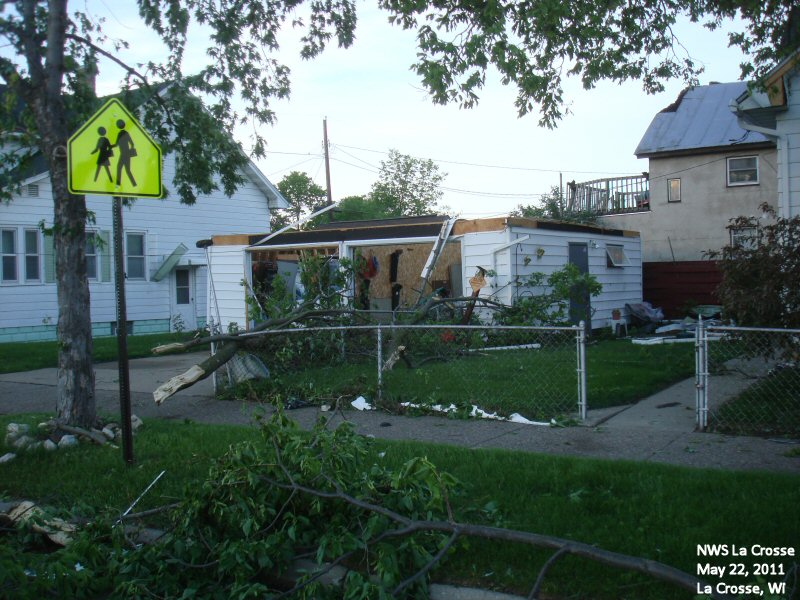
column 674, row 285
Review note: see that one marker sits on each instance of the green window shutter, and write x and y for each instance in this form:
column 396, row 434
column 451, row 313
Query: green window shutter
column 105, row 257
column 49, row 259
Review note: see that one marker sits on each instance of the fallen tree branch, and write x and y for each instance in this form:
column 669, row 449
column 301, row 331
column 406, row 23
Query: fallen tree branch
column 645, row 566
column 534, row 595
column 430, row 564
column 149, row 513
column 97, row 438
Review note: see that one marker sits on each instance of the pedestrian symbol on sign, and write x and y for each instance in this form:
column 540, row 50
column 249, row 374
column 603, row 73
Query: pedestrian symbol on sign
column 126, row 151
column 104, row 153
column 130, row 166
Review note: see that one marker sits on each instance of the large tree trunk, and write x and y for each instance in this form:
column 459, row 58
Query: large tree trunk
column 75, row 402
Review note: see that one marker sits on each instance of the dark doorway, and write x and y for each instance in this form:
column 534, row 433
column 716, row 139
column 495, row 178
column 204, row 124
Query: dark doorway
column 580, row 302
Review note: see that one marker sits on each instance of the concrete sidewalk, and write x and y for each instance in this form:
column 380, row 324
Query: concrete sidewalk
column 657, row 429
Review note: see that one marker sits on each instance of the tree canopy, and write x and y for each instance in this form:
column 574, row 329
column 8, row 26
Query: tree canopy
column 407, row 186
column 304, row 197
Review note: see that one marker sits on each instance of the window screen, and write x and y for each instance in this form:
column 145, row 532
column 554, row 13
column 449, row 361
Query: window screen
column 135, row 258
column 8, row 245
column 673, row 190
column 31, row 255
column 182, row 287
column 743, row 170
column 91, row 255
column 616, row 256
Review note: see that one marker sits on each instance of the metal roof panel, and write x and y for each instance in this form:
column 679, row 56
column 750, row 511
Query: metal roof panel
column 699, row 118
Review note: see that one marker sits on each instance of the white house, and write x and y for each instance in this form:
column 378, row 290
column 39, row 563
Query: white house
column 165, row 272
column 397, row 250
column 775, row 114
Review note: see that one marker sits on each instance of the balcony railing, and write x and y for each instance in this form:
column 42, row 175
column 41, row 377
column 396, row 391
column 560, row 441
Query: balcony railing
column 610, row 196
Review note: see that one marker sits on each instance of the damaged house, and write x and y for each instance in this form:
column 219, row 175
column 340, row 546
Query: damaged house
column 391, row 255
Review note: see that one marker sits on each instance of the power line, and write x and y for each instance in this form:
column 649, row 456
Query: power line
column 490, row 166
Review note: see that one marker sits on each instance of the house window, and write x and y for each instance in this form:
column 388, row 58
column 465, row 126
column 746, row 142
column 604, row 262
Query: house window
column 32, row 255
column 673, row 190
column 134, row 245
column 743, row 170
column 8, row 251
column 616, row 256
column 182, row 287
column 91, row 255
column 743, row 237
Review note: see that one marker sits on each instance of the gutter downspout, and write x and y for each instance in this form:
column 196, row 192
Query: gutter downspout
column 784, row 207
column 500, row 248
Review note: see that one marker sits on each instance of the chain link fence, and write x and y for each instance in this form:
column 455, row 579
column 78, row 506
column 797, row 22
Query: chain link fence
column 748, row 380
column 537, row 373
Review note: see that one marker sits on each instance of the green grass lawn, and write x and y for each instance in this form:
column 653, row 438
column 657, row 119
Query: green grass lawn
column 539, row 384
column 26, row 356
column 769, row 407
column 657, row 511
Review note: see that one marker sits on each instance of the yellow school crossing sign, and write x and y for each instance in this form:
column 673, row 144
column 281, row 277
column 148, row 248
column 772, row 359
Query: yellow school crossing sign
column 112, row 155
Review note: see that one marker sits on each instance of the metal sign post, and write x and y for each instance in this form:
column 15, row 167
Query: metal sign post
column 130, row 166
column 122, row 336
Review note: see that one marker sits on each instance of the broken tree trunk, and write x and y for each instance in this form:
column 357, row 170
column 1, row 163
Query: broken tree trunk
column 195, row 373
column 234, row 342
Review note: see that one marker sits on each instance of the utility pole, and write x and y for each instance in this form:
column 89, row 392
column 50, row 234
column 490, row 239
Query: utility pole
column 327, row 159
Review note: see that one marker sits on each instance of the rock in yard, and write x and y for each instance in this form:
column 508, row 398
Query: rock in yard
column 22, row 442
column 14, row 431
column 8, row 457
column 50, row 445
column 67, row 441
column 109, row 433
column 17, row 428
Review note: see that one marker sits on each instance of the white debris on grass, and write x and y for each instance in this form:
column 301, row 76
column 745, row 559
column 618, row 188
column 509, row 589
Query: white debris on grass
column 477, row 412
column 517, row 347
column 7, row 457
column 361, row 403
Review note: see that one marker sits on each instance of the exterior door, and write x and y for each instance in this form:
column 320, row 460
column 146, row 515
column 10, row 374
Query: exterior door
column 184, row 313
column 580, row 302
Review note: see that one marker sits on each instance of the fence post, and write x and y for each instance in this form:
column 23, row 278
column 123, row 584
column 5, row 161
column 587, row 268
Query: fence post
column 379, row 336
column 581, row 370
column 701, row 376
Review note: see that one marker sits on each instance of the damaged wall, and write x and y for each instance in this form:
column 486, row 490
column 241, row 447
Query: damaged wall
column 411, row 259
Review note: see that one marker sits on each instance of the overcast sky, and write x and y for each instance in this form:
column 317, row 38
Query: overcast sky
column 493, row 159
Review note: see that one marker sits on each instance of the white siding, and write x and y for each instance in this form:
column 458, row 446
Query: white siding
column 788, row 124
column 620, row 285
column 478, row 250
column 227, row 298
column 165, row 223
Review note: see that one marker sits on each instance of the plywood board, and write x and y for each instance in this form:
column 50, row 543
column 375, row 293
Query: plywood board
column 409, row 267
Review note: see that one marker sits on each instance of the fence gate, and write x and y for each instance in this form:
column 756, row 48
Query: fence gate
column 748, row 380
